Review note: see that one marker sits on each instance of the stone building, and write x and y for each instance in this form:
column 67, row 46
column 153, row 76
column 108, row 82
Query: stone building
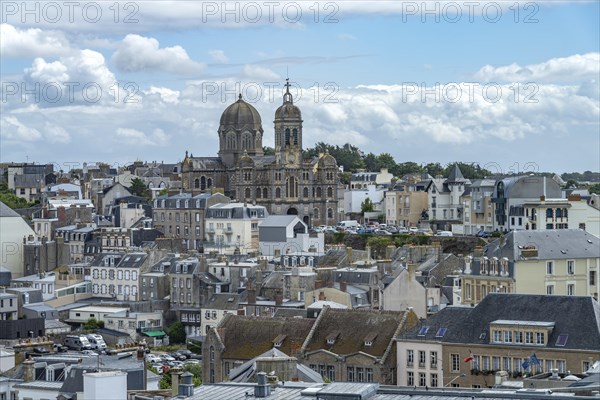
column 285, row 183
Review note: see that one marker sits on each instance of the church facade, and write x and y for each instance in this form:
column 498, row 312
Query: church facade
column 284, row 183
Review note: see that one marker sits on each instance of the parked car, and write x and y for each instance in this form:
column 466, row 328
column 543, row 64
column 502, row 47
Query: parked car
column 153, row 359
column 444, row 233
column 166, row 358
column 89, row 353
column 402, row 230
column 59, row 348
column 483, row 234
column 382, row 232
column 178, row 356
column 185, row 352
column 392, row 229
column 413, row 230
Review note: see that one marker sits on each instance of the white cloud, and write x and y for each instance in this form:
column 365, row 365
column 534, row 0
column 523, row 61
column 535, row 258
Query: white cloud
column 56, row 134
column 346, row 36
column 14, row 130
column 564, row 69
column 137, row 137
column 218, row 56
column 259, row 73
column 26, row 43
column 139, row 53
column 167, row 95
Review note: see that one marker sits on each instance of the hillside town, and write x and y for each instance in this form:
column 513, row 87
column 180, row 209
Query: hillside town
column 253, row 275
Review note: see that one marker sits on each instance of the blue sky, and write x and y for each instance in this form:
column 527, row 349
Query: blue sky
column 374, row 55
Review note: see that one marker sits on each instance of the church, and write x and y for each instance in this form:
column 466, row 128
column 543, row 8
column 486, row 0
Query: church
column 284, row 183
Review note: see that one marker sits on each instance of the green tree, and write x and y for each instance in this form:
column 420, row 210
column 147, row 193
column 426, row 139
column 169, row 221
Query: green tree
column 378, row 245
column 163, row 192
column 269, row 151
column 434, row 169
column 166, row 382
column 92, row 324
column 366, row 206
column 138, row 188
column 176, row 333
column 14, row 201
column 595, row 188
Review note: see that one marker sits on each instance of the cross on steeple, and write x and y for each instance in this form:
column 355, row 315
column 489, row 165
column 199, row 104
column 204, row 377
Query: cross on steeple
column 287, row 97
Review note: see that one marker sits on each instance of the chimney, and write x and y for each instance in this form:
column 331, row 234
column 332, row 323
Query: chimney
column 574, row 197
column 322, row 296
column 262, row 388
column 251, row 293
column 349, row 255
column 330, row 283
column 318, row 284
column 389, row 251
column 411, row 271
column 344, row 286
column 542, row 198
column 60, row 213
column 501, row 377
column 468, row 260
column 368, row 250
column 211, row 290
column 28, row 370
column 175, row 373
column 554, row 374
column 278, row 297
column 186, row 387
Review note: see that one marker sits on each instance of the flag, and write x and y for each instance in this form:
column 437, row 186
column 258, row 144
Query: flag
column 533, row 360
column 525, row 364
column 469, row 358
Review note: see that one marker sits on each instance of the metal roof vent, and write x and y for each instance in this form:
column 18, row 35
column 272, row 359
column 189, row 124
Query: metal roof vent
column 262, row 389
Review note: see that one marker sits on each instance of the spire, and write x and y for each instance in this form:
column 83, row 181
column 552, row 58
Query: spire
column 240, row 97
column 287, row 97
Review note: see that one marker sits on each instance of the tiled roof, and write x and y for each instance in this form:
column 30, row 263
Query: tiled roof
column 247, row 337
column 381, row 324
column 576, row 316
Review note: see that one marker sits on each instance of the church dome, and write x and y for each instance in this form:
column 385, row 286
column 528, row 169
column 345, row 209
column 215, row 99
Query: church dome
column 288, row 110
column 241, row 115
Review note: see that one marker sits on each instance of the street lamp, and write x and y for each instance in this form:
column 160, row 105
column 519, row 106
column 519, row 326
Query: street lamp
column 462, row 375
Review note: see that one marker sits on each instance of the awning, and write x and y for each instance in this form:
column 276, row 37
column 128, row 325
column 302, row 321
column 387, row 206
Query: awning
column 154, row 333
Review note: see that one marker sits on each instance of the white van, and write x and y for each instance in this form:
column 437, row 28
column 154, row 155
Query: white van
column 348, row 224
column 77, row 342
column 444, row 233
column 96, row 341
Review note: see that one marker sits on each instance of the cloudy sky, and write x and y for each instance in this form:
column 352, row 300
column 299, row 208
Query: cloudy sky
column 510, row 85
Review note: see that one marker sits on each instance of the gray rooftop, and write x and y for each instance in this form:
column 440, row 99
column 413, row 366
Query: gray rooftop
column 6, row 211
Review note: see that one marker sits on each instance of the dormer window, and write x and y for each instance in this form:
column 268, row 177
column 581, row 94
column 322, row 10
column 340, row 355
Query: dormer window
column 278, row 341
column 369, row 339
column 331, row 338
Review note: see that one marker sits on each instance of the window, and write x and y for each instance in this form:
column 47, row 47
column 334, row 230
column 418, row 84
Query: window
column 561, row 341
column 331, row 373
column 549, row 289
column 422, row 379
column 440, row 333
column 433, row 380
column 592, row 278
column 561, row 365
column 421, row 359
column 410, row 357
column 495, row 363
column 507, row 336
column 360, row 374
column 570, row 267
column 423, row 331
column 518, row 337
column 539, row 338
column 433, row 359
column 350, row 374
column 454, row 362
column 570, row 289
column 410, row 378
column 549, row 268
column 497, row 336
column 528, row 337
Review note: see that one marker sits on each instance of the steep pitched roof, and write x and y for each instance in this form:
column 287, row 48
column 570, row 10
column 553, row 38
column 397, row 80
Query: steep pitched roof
column 378, row 327
column 247, row 337
column 550, row 245
column 575, row 316
column 6, row 211
column 455, row 175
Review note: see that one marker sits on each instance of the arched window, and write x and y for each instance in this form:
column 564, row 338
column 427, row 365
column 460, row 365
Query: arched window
column 265, row 193
column 319, row 192
column 330, row 213
column 202, row 183
column 247, row 141
column 295, row 135
column 150, row 185
column 549, row 213
column 258, row 192
column 291, row 187
column 558, row 213
column 247, row 193
column 231, row 141
column 287, row 136
column 305, row 193
column 316, row 213
column 196, row 183
column 209, row 183
column 565, row 213
column 278, row 193
column 329, row 192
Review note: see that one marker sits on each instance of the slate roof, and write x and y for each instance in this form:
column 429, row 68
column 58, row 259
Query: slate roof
column 247, row 337
column 456, row 175
column 382, row 325
column 278, row 221
column 576, row 316
column 551, row 244
column 6, row 211
column 225, row 301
